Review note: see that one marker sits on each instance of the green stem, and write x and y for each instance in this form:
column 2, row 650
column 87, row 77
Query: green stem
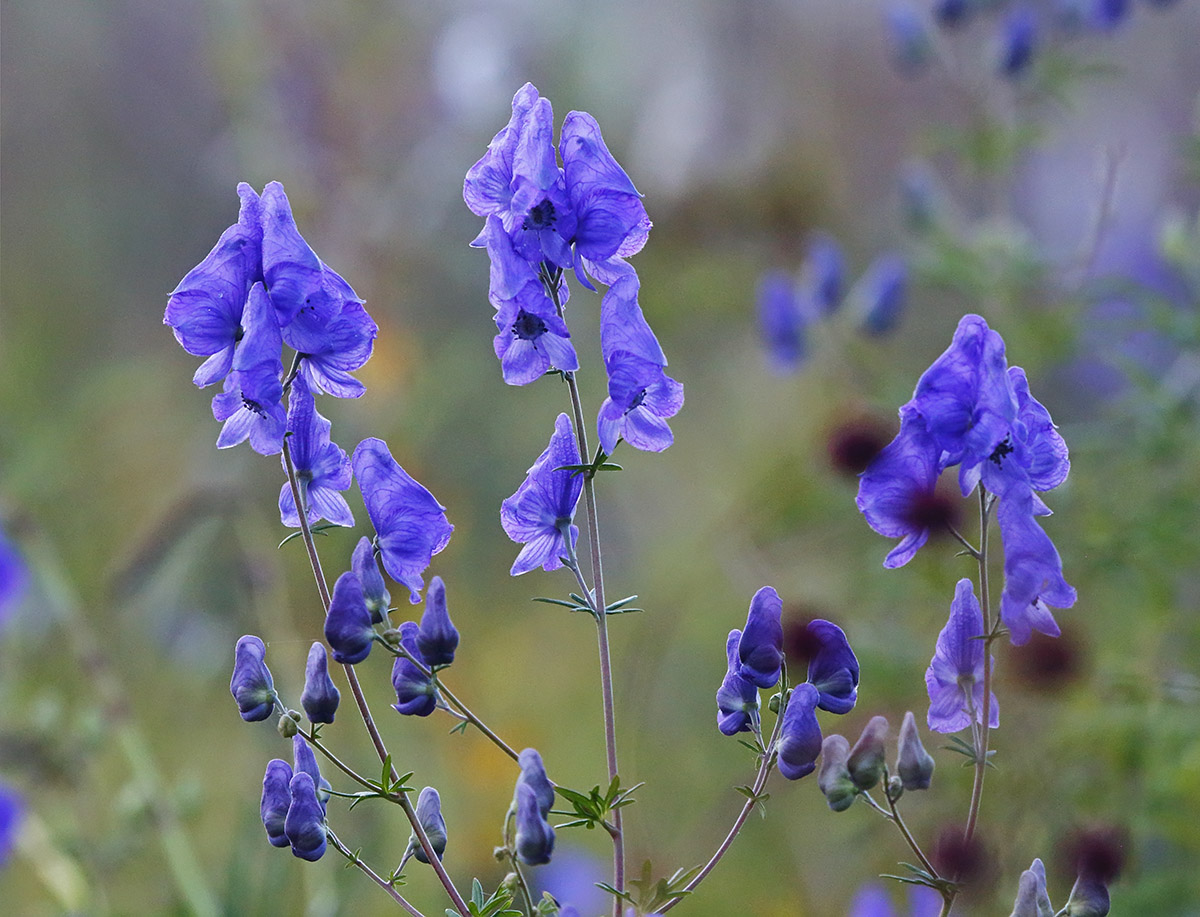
column 360, row 699
column 981, row 745
column 908, row 837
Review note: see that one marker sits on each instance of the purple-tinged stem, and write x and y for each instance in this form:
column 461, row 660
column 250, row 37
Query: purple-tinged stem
column 374, row 876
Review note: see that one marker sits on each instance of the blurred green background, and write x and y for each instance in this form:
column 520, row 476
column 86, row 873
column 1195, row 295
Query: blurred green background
column 126, row 126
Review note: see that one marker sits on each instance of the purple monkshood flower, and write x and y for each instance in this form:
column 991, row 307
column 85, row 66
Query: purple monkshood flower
column 955, row 675
column 429, row 814
column 14, row 576
column 885, row 287
column 623, row 327
column 304, row 825
column 896, row 492
column 782, row 321
column 1033, row 455
column 275, row 801
column 322, row 467
column 824, row 272
column 251, row 406
column 833, row 667
column 535, row 837
column 375, row 593
column 640, row 399
column 540, row 513
column 205, row 310
column 437, row 637
column 415, row 691
column 799, row 742
column 760, row 649
column 343, row 345
column 1033, row 577
column 348, row 629
column 251, row 684
column 533, row 775
column 410, row 524
column 1032, row 898
column 737, row 698
column 1018, row 41
column 305, row 762
column 11, row 811
column 321, row 696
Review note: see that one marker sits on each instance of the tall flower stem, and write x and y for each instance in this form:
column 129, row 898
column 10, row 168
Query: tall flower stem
column 981, row 745
column 360, row 699
column 550, row 279
column 760, row 782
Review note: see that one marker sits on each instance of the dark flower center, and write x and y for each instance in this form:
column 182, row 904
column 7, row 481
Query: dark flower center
column 1003, row 449
column 540, row 217
column 253, row 406
column 528, row 327
column 637, row 401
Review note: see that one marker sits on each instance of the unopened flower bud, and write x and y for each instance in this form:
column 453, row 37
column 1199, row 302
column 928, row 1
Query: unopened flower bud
column 535, row 837
column 895, row 788
column 834, row 777
column 915, row 764
column 437, row 638
column 867, row 761
column 375, row 594
column 251, row 684
column 287, row 725
column 304, row 825
column 348, row 629
column 415, row 691
column 1032, row 900
column 773, row 703
column 275, row 801
column 429, row 814
column 321, row 696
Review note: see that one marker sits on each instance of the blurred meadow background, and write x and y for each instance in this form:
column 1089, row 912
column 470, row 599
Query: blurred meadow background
column 1061, row 205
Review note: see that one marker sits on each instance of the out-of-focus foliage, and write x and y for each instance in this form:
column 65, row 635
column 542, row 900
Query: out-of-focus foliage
column 1070, row 227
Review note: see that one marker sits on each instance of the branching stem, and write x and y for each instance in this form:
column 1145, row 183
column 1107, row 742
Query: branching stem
column 374, row 876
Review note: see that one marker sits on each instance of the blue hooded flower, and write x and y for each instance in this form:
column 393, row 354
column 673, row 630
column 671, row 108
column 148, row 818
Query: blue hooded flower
column 1033, row 577
column 205, row 310
column 416, row 694
column 343, row 345
column 640, row 399
column 533, row 775
column 321, row 696
column 540, row 513
column 866, row 762
column 914, row 765
column 437, row 637
column 954, row 678
column 535, row 837
column 623, row 327
column 799, row 741
column 364, row 566
column 322, row 467
column 429, row 814
column 737, row 698
column 832, row 667
column 304, row 825
column 348, row 629
column 251, row 406
column 11, row 811
column 251, row 685
column 305, row 762
column 276, row 798
column 1033, row 455
column 611, row 219
column 782, row 321
column 410, row 524
column 760, row 649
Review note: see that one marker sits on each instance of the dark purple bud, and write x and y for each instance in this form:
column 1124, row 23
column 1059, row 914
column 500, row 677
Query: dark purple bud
column 275, row 800
column 1098, row 852
column 251, row 684
column 834, row 777
column 799, row 741
column 737, row 698
column 760, row 650
column 915, row 764
column 415, row 691
column 833, row 668
column 535, row 837
column 429, row 814
column 321, row 696
column 375, row 593
column 533, row 775
column 348, row 625
column 305, row 822
column 437, row 637
column 866, row 762
column 852, row 446
column 305, row 762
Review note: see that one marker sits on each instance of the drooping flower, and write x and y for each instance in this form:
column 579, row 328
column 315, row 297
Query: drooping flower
column 375, row 593
column 251, row 405
column 205, row 310
column 437, row 637
column 341, row 346
column 276, row 798
column 416, row 694
column 320, row 696
column 304, row 825
column 954, row 678
column 305, row 762
column 411, row 525
column 914, row 764
column 760, row 649
column 1033, row 455
column 782, row 321
column 429, row 814
column 322, row 467
column 535, row 837
column 799, row 741
column 540, row 513
column 640, row 399
column 348, row 629
column 1033, row 577
column 251, row 685
column 533, row 775
column 623, row 326
column 737, row 698
column 832, row 667
column 834, row 778
column 867, row 762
